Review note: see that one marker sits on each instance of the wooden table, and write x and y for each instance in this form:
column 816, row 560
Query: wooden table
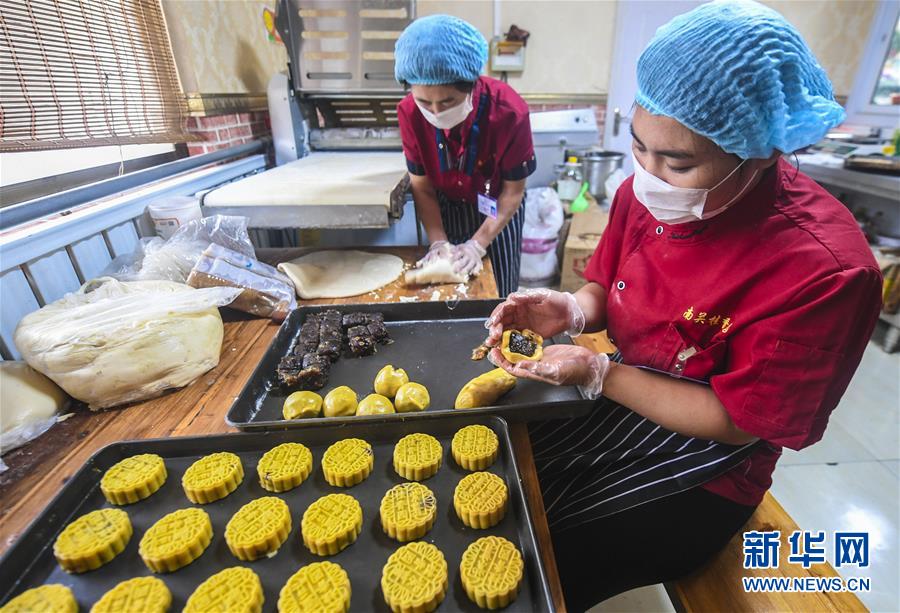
column 38, row 470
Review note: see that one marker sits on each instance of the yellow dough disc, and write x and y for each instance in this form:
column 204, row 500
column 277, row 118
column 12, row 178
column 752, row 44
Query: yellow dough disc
column 233, row 590
column 258, row 528
column 320, row 587
column 414, row 580
column 284, row 467
column 92, row 540
column 212, row 477
column 348, row 462
column 133, row 478
column 53, row 598
column 144, row 594
column 331, row 524
column 417, row 456
column 176, row 540
column 491, row 570
column 408, row 511
column 475, row 447
column 480, row 500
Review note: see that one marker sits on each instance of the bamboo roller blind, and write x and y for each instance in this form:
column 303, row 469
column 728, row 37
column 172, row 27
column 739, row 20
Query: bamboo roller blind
column 77, row 73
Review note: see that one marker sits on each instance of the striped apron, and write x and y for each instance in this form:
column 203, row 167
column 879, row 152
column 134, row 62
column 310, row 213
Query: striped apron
column 614, row 459
column 462, row 220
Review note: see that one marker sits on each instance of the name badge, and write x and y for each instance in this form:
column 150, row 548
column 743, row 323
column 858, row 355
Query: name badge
column 487, row 206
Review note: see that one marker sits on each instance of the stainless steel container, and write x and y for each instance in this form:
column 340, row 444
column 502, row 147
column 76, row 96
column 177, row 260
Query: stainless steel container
column 597, row 165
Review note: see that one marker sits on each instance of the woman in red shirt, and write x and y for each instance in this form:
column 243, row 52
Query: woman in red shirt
column 467, row 141
column 740, row 294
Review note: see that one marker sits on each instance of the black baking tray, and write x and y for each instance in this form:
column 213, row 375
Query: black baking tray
column 30, row 562
column 433, row 343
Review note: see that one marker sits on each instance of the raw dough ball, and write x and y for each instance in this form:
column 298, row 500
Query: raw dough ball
column 389, row 379
column 375, row 404
column 340, row 402
column 412, row 397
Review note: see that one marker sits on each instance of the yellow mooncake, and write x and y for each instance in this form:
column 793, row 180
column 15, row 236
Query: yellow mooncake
column 212, row 477
column 417, row 456
column 53, row 598
column 331, row 524
column 144, row 594
column 320, row 587
column 92, row 540
column 414, row 580
column 348, row 462
column 258, row 528
column 408, row 511
column 133, row 478
column 491, row 570
column 284, row 467
column 176, row 540
column 475, row 447
column 233, row 590
column 480, row 500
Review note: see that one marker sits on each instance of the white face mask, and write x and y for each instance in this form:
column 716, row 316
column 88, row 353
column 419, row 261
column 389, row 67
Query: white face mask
column 675, row 205
column 448, row 118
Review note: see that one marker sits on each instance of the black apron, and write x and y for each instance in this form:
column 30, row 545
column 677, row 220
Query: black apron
column 462, row 219
column 614, row 459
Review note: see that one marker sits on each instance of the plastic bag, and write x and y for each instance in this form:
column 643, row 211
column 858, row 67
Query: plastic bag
column 111, row 342
column 266, row 291
column 540, row 234
column 156, row 259
column 613, row 182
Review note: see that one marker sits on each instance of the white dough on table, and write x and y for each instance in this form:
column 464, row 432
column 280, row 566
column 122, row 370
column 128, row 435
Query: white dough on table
column 339, row 274
column 438, row 271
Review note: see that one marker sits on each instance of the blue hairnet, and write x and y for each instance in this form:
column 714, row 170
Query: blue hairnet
column 739, row 74
column 439, row 49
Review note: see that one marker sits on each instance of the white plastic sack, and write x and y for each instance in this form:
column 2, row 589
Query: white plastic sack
column 540, row 234
column 111, row 342
column 543, row 213
column 156, row 259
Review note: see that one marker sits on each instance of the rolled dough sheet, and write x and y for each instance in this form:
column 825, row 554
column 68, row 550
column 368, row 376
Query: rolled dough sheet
column 327, row 178
column 338, row 274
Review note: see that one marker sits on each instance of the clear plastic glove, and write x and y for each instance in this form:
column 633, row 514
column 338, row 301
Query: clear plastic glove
column 544, row 311
column 439, row 250
column 467, row 257
column 561, row 365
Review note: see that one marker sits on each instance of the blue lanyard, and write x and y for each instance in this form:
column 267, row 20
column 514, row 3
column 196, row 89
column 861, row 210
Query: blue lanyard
column 471, row 153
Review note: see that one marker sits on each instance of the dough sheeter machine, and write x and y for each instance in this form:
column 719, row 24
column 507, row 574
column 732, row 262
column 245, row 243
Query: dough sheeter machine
column 334, row 122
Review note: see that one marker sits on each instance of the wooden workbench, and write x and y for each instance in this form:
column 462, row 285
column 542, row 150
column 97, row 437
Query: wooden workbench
column 38, row 470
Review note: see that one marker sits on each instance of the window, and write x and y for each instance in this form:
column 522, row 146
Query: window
column 874, row 100
column 87, row 73
column 887, row 88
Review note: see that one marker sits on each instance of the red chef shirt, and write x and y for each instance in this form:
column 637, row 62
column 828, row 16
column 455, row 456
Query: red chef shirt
column 504, row 147
column 778, row 295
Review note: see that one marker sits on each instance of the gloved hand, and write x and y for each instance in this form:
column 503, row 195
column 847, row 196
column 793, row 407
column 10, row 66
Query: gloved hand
column 467, row 257
column 561, row 365
column 437, row 251
column 544, row 311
